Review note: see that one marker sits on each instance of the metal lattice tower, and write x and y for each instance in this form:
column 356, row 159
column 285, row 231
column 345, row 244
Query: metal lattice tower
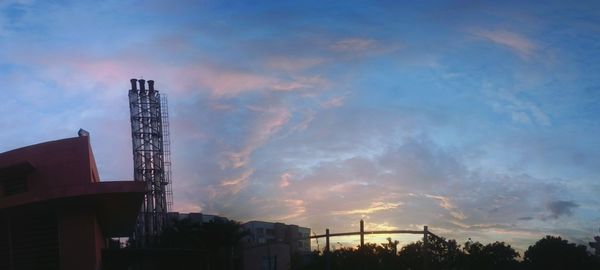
column 148, row 159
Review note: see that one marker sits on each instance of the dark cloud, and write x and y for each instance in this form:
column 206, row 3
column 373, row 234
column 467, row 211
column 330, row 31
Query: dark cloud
column 558, row 209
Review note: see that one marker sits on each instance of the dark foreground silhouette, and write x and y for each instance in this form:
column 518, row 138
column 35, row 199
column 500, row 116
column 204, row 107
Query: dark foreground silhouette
column 550, row 252
column 218, row 245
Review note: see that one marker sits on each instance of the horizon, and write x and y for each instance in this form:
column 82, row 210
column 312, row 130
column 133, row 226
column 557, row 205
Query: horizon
column 477, row 120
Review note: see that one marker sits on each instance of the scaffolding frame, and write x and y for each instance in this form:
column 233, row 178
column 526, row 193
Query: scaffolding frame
column 167, row 151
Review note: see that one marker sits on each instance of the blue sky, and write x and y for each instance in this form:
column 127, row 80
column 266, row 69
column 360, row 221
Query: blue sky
column 478, row 119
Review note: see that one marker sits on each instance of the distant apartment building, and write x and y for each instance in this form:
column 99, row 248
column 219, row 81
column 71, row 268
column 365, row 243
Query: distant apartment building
column 269, row 245
column 262, row 232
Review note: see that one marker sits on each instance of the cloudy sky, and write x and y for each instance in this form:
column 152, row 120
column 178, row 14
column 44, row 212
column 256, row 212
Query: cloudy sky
column 475, row 118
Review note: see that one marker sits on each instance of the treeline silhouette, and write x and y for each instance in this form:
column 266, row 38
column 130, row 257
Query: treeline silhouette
column 217, row 240
column 219, row 243
column 550, row 252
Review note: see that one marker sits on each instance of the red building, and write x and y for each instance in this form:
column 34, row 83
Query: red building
column 54, row 211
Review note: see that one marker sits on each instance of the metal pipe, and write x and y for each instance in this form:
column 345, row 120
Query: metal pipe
column 142, row 84
column 369, row 232
column 133, row 84
column 151, row 85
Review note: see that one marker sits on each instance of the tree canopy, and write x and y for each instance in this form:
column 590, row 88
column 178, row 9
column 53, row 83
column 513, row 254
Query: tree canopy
column 549, row 252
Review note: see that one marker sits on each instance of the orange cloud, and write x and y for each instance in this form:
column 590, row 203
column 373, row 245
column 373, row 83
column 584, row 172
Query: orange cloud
column 446, row 203
column 234, row 185
column 374, row 207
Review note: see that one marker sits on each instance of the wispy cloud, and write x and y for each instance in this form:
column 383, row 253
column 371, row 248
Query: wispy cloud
column 374, row 207
column 519, row 109
column 285, row 180
column 234, row 185
column 227, row 83
column 521, row 45
column 334, row 102
column 293, row 64
column 353, row 45
column 270, row 121
column 446, row 203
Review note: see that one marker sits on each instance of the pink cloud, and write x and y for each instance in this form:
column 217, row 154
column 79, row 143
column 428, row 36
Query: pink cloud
column 301, row 82
column 293, row 64
column 234, row 185
column 334, row 102
column 285, row 180
column 226, row 83
column 352, row 45
column 523, row 46
column 272, row 120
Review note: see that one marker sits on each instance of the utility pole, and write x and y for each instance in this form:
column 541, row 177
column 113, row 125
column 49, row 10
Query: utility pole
column 425, row 248
column 327, row 250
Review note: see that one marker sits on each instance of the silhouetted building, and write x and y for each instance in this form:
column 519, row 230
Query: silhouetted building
column 270, row 245
column 54, row 211
column 196, row 217
column 262, row 232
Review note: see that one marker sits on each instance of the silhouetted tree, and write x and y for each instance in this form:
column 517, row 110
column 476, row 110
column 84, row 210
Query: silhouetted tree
column 412, row 256
column 391, row 246
column 495, row 256
column 596, row 245
column 553, row 252
column 439, row 254
column 183, row 233
column 218, row 238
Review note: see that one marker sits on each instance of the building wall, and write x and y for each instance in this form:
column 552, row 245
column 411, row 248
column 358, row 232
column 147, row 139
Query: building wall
column 62, row 216
column 29, row 239
column 50, row 170
column 268, row 232
column 304, row 243
column 276, row 255
column 4, row 243
column 80, row 234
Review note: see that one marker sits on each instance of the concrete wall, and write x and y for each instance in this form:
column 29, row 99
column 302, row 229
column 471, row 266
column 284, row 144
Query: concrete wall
column 256, row 258
column 80, row 239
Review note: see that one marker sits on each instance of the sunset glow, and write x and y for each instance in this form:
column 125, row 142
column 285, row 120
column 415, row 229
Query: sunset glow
column 478, row 119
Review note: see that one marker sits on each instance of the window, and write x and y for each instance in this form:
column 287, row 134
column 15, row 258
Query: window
column 14, row 185
column 269, row 263
column 13, row 179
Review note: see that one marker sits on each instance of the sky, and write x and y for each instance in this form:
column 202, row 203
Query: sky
column 478, row 119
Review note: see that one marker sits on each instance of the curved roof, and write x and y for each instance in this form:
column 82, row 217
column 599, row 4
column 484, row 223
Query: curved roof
column 63, row 173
